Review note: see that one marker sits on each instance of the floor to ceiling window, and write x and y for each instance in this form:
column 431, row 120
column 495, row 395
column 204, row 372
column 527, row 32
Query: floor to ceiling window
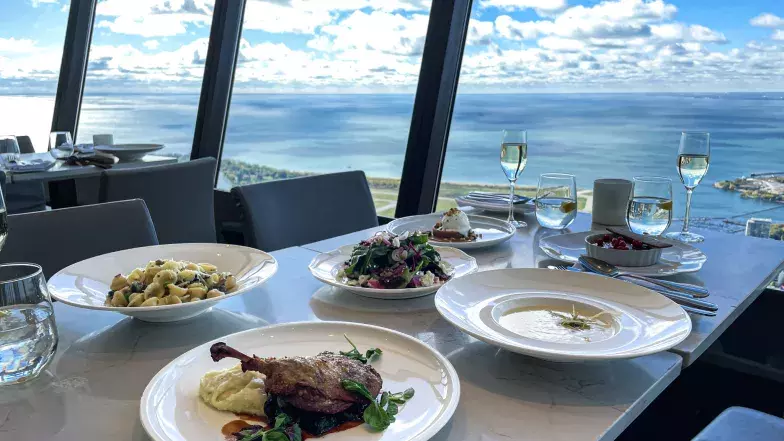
column 325, row 87
column 31, row 49
column 605, row 89
column 145, row 70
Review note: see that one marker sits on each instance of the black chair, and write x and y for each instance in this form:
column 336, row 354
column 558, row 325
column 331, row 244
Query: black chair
column 740, row 423
column 57, row 238
column 24, row 197
column 179, row 196
column 291, row 212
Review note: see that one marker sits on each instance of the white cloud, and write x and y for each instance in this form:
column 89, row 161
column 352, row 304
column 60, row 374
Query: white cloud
column 36, row 3
column 11, row 45
column 480, row 33
column 511, row 29
column 384, row 32
column 680, row 32
column 559, row 44
column 151, row 44
column 778, row 35
column 153, row 18
column 542, row 6
column 767, row 20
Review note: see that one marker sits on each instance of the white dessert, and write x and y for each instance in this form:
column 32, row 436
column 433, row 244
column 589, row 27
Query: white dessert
column 234, row 391
column 457, row 221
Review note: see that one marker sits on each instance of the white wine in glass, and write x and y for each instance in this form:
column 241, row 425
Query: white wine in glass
column 514, row 157
column 693, row 162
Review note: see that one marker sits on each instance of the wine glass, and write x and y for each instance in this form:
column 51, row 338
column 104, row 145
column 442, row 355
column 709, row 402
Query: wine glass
column 693, row 161
column 9, row 144
column 61, row 145
column 556, row 200
column 650, row 206
column 514, row 157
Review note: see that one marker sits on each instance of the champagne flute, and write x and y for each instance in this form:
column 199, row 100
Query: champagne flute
column 693, row 161
column 514, row 157
column 650, row 207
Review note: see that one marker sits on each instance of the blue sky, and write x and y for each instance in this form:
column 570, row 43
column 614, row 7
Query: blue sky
column 376, row 45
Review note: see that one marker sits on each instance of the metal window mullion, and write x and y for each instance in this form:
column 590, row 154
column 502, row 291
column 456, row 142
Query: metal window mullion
column 433, row 105
column 73, row 67
column 220, row 64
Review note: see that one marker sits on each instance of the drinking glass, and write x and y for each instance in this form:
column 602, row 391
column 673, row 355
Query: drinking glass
column 556, row 200
column 514, row 157
column 28, row 335
column 9, row 144
column 650, row 206
column 693, row 161
column 61, row 144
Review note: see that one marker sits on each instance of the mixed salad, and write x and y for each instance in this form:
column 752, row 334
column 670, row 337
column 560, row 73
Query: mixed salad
column 390, row 261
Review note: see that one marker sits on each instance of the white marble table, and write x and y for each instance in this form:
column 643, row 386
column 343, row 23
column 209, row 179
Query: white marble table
column 92, row 388
column 737, row 271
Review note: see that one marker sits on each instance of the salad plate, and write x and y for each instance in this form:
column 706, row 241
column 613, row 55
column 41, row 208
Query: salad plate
column 85, row 284
column 679, row 258
column 330, row 268
column 171, row 410
column 562, row 316
column 128, row 152
column 489, row 231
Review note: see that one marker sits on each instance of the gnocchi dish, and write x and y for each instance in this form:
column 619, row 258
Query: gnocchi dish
column 169, row 282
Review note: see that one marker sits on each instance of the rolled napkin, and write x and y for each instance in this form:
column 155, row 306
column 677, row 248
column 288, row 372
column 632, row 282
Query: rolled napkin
column 610, row 201
column 98, row 159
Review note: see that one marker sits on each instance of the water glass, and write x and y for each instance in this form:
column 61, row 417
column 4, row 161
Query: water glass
column 61, row 145
column 650, row 205
column 556, row 200
column 28, row 335
column 9, row 144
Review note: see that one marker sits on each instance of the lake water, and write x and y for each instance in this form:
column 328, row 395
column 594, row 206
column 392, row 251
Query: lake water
column 588, row 135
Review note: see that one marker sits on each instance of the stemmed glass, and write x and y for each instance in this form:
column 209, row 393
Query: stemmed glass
column 650, row 207
column 514, row 157
column 61, row 145
column 9, row 144
column 556, row 200
column 693, row 161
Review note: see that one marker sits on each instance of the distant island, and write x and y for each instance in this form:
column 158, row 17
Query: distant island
column 768, row 187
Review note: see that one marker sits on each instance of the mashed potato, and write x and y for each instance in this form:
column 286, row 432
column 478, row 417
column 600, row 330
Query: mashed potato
column 234, row 391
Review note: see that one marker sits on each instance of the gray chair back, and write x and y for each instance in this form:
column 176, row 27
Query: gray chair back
column 179, row 196
column 25, row 144
column 291, row 212
column 57, row 238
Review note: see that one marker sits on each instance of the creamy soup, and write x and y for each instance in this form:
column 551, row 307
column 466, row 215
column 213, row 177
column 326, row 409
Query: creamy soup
column 545, row 324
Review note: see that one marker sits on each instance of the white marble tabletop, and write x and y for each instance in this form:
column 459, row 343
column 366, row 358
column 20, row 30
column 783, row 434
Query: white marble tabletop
column 737, row 271
column 61, row 170
column 91, row 390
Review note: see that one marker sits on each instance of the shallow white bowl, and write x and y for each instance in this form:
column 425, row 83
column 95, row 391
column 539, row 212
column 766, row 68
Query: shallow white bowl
column 326, row 266
column 85, row 284
column 129, row 152
column 629, row 258
column 645, row 322
column 171, row 410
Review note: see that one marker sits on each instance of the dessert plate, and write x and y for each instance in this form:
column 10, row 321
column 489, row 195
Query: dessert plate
column 493, row 231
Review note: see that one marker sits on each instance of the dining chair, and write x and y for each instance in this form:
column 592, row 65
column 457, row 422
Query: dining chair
column 291, row 212
column 55, row 239
column 24, row 197
column 25, row 144
column 179, row 196
column 740, row 423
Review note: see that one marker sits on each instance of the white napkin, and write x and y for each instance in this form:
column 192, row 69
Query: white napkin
column 25, row 163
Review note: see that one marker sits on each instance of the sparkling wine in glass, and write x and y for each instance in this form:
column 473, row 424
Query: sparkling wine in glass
column 693, row 161
column 650, row 207
column 514, row 157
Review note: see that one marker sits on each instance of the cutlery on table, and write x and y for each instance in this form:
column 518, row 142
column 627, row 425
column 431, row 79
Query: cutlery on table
column 495, row 197
column 601, row 267
column 689, row 304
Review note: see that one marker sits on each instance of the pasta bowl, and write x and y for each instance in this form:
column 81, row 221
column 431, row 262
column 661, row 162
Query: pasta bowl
column 86, row 284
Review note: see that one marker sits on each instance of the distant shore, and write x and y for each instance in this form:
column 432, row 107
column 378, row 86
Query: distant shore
column 770, row 189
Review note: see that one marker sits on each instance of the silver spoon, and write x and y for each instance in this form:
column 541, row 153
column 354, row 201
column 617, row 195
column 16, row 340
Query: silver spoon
column 607, row 269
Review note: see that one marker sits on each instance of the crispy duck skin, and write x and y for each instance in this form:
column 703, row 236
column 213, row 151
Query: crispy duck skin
column 308, row 383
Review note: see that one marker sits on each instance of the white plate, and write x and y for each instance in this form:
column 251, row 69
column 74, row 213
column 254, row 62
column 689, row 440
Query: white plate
column 85, row 284
column 493, row 231
column 129, row 152
column 646, row 322
column 325, row 267
column 172, row 411
column 679, row 258
column 492, row 207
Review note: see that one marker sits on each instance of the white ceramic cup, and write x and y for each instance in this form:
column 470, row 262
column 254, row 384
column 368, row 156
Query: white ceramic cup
column 610, row 201
column 103, row 139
